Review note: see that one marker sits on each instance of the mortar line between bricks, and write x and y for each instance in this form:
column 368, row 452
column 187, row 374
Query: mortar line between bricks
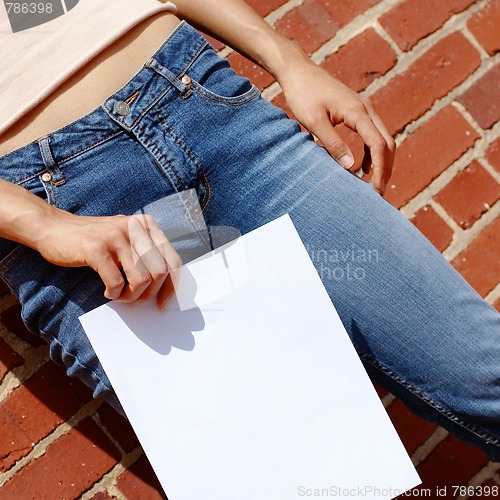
column 368, row 19
column 403, row 63
column 97, row 419
column 274, row 16
column 489, row 169
column 448, row 99
column 493, row 295
column 41, row 447
column 468, row 117
column 440, row 210
column 33, row 361
column 8, row 300
column 486, row 473
column 461, row 238
column 496, row 479
column 487, row 136
column 17, row 344
column 388, row 399
column 425, row 449
column 108, row 481
column 380, row 30
column 472, row 39
column 425, row 196
column 452, row 25
column 455, row 248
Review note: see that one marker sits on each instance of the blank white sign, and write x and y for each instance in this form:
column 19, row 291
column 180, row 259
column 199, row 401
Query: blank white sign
column 248, row 387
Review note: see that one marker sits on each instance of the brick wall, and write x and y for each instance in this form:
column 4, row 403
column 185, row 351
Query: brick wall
column 432, row 69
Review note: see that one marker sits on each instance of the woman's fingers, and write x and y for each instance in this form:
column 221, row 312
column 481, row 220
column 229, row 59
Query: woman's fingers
column 379, row 151
column 153, row 256
column 108, row 270
column 333, row 143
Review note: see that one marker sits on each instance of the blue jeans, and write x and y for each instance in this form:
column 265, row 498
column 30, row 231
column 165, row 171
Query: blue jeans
column 420, row 329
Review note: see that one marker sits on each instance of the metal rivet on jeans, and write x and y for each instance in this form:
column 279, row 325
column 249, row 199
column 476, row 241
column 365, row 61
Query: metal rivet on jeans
column 186, row 80
column 46, row 177
column 122, row 108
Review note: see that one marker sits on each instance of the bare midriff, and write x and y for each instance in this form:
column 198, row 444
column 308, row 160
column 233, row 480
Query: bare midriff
column 91, row 85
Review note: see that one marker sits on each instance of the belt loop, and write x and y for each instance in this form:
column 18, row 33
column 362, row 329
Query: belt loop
column 55, row 176
column 182, row 87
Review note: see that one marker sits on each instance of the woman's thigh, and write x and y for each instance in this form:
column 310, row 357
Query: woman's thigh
column 421, row 330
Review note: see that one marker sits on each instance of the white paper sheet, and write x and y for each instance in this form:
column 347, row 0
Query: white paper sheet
column 257, row 394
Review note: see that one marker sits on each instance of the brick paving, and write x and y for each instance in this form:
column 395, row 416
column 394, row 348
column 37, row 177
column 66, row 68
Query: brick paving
column 432, row 69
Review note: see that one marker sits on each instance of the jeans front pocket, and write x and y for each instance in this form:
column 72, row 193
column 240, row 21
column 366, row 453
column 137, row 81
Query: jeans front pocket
column 212, row 78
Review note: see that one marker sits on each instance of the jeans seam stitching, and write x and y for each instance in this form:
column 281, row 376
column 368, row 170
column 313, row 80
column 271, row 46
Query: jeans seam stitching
column 102, row 141
column 237, row 101
column 12, row 258
column 425, row 398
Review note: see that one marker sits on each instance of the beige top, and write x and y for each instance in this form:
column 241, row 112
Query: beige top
column 38, row 50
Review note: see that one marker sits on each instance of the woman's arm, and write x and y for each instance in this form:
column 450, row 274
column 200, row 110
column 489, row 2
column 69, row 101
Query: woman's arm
column 318, row 100
column 108, row 245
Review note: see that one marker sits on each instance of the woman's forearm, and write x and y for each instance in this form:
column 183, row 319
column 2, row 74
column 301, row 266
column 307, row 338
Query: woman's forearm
column 22, row 214
column 234, row 22
column 317, row 100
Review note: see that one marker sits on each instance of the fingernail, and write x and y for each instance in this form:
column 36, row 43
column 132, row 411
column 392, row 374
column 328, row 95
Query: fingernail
column 347, row 161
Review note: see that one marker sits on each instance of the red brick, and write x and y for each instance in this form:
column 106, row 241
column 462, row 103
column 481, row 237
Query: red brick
column 310, row 24
column 485, row 26
column 11, row 318
column 496, row 305
column 69, row 467
column 439, row 70
column 380, row 391
column 316, row 21
column 345, row 11
column 264, row 7
column 3, row 288
column 102, row 495
column 362, row 60
column 260, row 77
column 119, row 427
column 141, row 482
column 412, row 20
column 482, row 100
column 493, row 155
column 9, row 359
column 433, row 227
column 216, row 44
column 469, row 195
column 479, row 263
column 35, row 409
column 427, row 153
column 452, row 462
column 412, row 430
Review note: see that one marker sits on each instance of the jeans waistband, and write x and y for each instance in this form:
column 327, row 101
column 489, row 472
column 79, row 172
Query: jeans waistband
column 161, row 73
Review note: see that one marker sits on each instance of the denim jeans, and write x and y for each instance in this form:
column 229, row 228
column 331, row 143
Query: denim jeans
column 186, row 121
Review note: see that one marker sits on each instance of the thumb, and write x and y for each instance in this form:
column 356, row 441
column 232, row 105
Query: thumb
column 335, row 146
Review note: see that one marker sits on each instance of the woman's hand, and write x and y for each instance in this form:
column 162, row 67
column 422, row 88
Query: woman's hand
column 319, row 102
column 132, row 255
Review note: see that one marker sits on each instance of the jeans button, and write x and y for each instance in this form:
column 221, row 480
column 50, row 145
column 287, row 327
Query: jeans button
column 46, row 177
column 122, row 108
column 186, row 80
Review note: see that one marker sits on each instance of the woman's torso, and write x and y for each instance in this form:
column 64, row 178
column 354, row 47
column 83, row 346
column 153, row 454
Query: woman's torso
column 92, row 84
